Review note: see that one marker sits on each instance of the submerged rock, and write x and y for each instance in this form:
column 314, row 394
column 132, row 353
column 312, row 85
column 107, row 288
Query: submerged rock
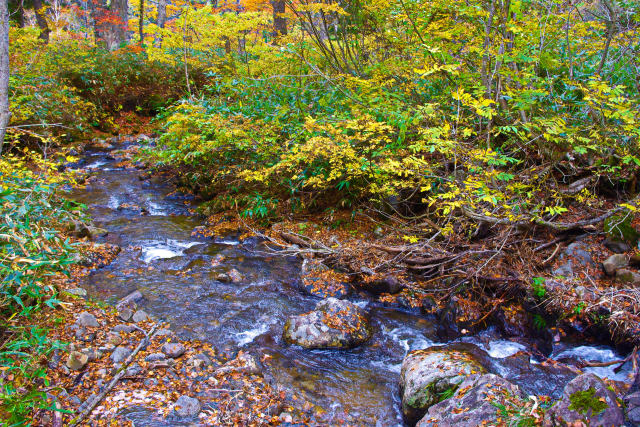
column 586, row 399
column 321, row 281
column 429, row 375
column 473, row 403
column 333, row 324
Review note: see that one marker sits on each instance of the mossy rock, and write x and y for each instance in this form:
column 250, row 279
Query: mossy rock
column 618, row 227
column 585, row 402
column 588, row 400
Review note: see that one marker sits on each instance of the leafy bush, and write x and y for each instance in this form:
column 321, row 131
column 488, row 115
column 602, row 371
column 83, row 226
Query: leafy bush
column 423, row 103
column 42, row 103
column 127, row 80
column 32, row 253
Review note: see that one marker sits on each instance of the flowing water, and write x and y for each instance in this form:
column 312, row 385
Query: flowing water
column 176, row 273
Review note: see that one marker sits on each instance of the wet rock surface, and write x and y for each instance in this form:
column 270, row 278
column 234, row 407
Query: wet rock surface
column 586, row 399
column 428, row 374
column 333, row 324
column 473, row 403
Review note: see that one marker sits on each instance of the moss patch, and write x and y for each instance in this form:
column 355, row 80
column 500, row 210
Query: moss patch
column 585, row 400
column 619, row 227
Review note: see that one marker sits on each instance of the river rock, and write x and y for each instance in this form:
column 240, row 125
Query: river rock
column 87, row 320
column 576, row 255
column 125, row 314
column 614, row 262
column 173, row 349
column 632, row 404
column 333, row 324
column 77, row 360
column 187, row 406
column 478, row 395
column 235, row 276
column 91, row 353
column 81, row 259
column 616, row 245
column 385, row 285
column 427, row 374
column 133, row 370
column 114, row 338
column 586, row 399
column 199, row 360
column 155, row 357
column 79, row 292
column 81, row 230
column 140, row 316
column 223, row 277
column 625, row 275
column 320, row 281
column 120, row 354
column 123, row 328
column 130, row 300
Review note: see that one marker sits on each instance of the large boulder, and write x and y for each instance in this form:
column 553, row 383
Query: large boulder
column 586, row 399
column 473, row 403
column 429, row 375
column 333, row 324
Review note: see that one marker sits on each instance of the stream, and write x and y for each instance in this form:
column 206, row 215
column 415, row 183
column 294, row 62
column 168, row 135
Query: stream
column 174, row 271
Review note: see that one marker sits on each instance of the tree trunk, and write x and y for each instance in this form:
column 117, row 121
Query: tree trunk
column 162, row 13
column 41, row 19
column 279, row 21
column 141, row 23
column 99, row 14
column 5, row 114
column 162, row 18
column 119, row 9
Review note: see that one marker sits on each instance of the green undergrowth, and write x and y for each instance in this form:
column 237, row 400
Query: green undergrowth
column 32, row 255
